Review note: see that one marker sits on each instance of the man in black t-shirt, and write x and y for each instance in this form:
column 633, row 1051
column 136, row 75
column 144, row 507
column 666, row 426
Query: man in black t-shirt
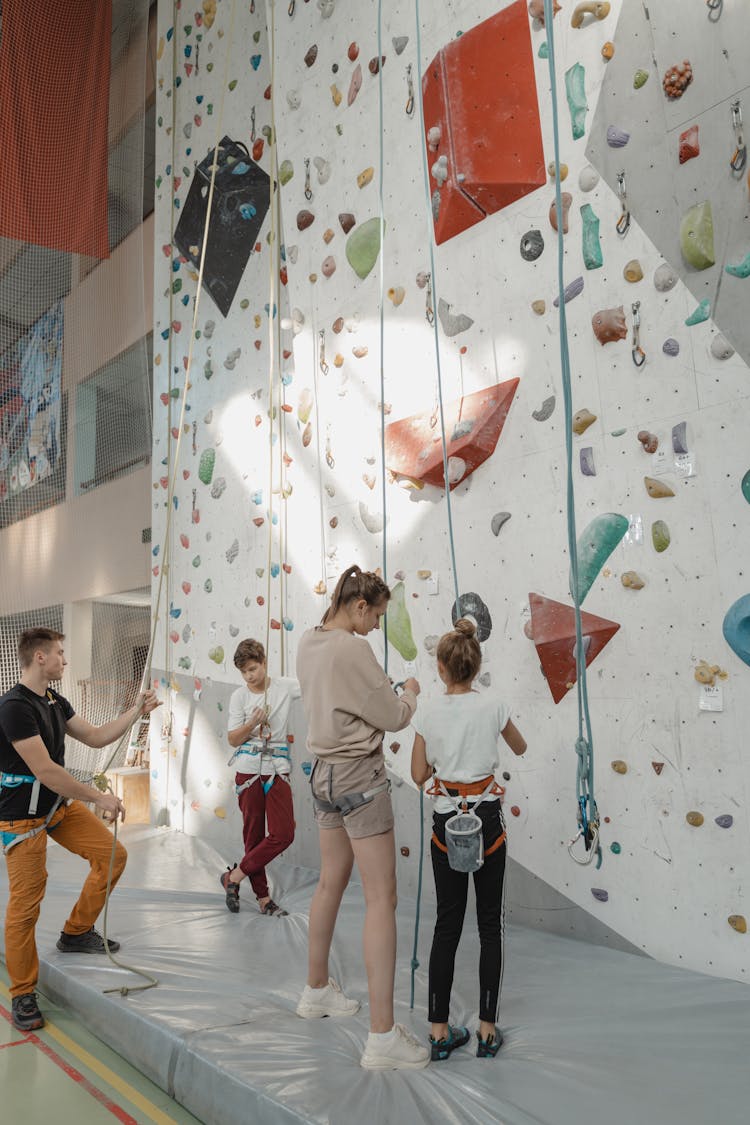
column 39, row 797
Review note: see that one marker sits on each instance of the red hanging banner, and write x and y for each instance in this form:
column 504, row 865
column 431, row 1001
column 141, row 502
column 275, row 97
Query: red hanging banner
column 54, row 109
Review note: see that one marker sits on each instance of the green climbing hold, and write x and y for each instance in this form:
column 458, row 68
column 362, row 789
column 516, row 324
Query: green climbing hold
column 208, row 586
column 206, row 466
column 399, row 624
column 184, row 662
column 575, row 89
column 615, row 848
column 745, row 486
column 592, row 250
column 594, row 547
column 286, row 171
column 233, row 84
column 363, row 246
column 544, row 50
column 640, row 78
column 742, row 269
column 216, row 654
column 702, row 313
column 660, row 536
column 697, row 236
column 618, row 433
column 197, row 561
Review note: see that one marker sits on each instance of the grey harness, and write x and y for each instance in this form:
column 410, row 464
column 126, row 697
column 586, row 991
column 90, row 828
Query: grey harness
column 347, row 802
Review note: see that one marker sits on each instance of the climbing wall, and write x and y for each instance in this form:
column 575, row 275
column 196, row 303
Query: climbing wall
column 280, row 486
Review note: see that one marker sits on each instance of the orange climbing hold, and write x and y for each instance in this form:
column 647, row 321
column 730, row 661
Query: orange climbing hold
column 554, row 634
column 473, row 424
column 480, row 102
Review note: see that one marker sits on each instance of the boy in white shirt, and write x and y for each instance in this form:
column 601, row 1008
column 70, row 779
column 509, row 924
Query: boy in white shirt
column 257, row 731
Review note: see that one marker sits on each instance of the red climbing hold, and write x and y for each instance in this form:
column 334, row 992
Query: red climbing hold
column 554, row 630
column 473, row 425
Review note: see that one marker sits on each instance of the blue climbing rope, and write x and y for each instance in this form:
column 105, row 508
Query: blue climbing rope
column 383, row 478
column 587, row 814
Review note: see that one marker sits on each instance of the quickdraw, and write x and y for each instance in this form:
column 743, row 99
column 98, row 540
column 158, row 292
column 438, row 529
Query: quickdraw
column 410, row 92
column 739, row 156
column 308, row 189
column 638, row 354
column 623, row 223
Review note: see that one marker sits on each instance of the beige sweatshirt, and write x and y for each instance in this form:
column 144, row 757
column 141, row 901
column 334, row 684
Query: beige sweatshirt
column 348, row 699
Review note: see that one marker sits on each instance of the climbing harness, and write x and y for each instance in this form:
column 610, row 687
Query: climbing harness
column 260, row 748
column 588, row 816
column 14, row 781
column 346, row 803
column 623, row 223
column 410, row 92
column 637, row 352
column 739, row 156
column 464, row 836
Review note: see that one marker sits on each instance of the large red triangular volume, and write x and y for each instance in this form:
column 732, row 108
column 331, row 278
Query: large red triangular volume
column 473, row 424
column 553, row 627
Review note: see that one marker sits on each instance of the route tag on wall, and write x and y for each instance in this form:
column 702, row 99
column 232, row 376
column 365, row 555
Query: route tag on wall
column 711, row 698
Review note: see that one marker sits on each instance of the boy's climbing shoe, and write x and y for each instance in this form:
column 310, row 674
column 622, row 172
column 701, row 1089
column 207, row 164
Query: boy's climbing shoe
column 26, row 1014
column 441, row 1048
column 272, row 907
column 231, row 891
column 89, row 942
column 315, row 1003
column 488, row 1048
column 397, row 1050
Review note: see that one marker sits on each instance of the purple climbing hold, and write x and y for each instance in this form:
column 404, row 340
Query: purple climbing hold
column 599, row 894
column 571, row 291
column 671, row 347
column 616, row 137
column 726, row 820
column 588, row 468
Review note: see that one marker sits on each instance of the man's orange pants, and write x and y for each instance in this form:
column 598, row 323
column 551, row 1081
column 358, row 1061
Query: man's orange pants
column 76, row 828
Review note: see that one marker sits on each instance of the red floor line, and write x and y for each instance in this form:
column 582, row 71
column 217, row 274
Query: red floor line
column 71, row 1072
column 15, row 1043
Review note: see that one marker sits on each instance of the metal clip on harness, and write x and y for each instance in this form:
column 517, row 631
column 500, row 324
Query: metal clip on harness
column 589, row 833
column 623, row 223
column 638, row 354
column 410, row 92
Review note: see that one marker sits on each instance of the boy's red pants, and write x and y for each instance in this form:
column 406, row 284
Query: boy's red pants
column 273, row 807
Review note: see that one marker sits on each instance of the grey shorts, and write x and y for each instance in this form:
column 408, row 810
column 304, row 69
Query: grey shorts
column 333, row 779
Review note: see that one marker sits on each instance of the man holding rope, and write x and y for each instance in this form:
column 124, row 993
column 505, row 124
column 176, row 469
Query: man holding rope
column 39, row 797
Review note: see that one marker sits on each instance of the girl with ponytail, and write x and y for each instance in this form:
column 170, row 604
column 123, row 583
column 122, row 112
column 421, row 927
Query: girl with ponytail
column 349, row 703
column 458, row 744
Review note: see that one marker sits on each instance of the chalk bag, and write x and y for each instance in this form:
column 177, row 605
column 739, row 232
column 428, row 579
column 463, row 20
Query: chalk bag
column 464, row 841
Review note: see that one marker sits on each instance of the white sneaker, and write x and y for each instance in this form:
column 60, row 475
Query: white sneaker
column 329, row 1001
column 402, row 1051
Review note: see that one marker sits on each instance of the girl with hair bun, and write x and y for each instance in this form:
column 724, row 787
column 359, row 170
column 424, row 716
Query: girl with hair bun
column 349, row 703
column 457, row 746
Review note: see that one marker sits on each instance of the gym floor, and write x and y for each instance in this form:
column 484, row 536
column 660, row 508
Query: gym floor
column 64, row 1073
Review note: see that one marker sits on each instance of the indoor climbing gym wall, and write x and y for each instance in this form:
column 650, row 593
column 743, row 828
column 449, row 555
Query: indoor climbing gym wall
column 401, row 282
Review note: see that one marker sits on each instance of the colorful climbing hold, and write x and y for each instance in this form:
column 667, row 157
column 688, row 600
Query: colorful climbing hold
column 575, row 89
column 595, row 544
column 736, row 628
column 592, row 250
column 599, row 894
column 738, row 923
column 694, row 819
column 582, row 419
column 206, row 466
column 660, row 536
column 631, row 580
column 471, row 605
column 609, row 325
column 677, row 79
column 689, row 145
column 697, row 236
column 363, row 246
column 741, row 269
column 657, row 489
column 702, row 313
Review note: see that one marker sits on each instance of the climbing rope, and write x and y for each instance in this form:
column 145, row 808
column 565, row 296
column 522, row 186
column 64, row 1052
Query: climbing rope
column 432, row 320
column 99, row 779
column 587, row 814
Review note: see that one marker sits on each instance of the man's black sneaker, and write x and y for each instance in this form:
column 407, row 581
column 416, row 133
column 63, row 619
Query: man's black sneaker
column 90, row 942
column 26, row 1014
column 231, row 891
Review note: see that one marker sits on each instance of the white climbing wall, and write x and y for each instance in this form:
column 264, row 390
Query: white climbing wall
column 670, row 886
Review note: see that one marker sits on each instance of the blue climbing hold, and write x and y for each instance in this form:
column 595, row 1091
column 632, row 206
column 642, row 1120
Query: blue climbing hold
column 736, row 628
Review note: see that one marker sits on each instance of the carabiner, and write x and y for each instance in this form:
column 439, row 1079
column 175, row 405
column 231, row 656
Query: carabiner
column 290, row 9
column 623, row 223
column 638, row 354
column 714, row 6
column 592, row 845
column 322, row 353
column 410, row 92
column 429, row 312
column 308, row 189
column 739, row 157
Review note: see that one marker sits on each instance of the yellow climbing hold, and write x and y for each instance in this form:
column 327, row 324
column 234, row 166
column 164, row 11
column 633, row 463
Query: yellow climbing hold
column 632, row 580
column 695, row 819
column 365, row 177
column 336, row 94
column 221, row 812
column 619, row 766
column 657, row 489
column 633, row 271
column 582, row 419
column 738, row 923
column 539, row 307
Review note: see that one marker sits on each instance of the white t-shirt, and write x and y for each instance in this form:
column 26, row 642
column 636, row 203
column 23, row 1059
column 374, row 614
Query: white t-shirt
column 461, row 735
column 281, row 691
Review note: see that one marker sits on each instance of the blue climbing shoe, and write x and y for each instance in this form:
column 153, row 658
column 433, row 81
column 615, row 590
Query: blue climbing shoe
column 488, row 1048
column 442, row 1048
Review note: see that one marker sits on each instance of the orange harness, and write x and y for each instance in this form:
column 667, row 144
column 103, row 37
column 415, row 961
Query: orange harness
column 487, row 787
